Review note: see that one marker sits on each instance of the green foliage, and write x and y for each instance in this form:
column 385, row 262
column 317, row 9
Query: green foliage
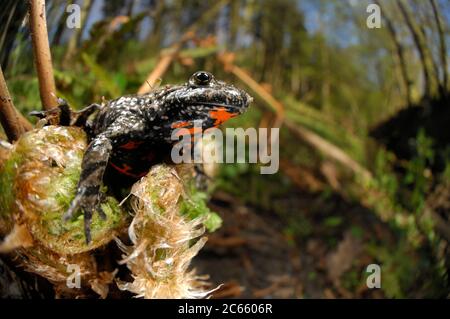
column 307, row 116
column 25, row 92
column 6, row 180
column 245, row 181
column 298, row 227
column 333, row 221
column 357, row 232
column 418, row 174
column 407, row 191
column 404, row 271
column 194, row 206
column 110, row 39
column 104, row 80
column 398, row 269
column 399, row 197
column 352, row 279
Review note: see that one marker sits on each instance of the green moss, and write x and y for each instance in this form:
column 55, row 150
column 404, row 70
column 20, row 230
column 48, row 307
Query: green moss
column 6, row 189
column 50, row 188
column 195, row 206
column 333, row 221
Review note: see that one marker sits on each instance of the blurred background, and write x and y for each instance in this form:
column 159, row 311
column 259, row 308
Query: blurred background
column 364, row 141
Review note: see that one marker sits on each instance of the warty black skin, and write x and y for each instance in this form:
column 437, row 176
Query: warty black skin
column 132, row 132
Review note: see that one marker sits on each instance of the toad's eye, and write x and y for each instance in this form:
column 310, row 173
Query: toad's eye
column 201, row 78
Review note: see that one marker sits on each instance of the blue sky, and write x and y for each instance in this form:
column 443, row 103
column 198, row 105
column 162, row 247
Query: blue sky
column 316, row 12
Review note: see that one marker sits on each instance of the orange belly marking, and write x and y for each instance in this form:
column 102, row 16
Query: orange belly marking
column 221, row 115
column 130, row 145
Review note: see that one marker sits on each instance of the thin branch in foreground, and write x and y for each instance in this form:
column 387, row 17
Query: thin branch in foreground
column 42, row 56
column 9, row 117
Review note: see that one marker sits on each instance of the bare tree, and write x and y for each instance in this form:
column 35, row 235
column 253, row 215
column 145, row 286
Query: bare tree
column 400, row 52
column 78, row 32
column 443, row 46
column 424, row 52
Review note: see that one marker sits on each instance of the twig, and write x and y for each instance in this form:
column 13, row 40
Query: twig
column 166, row 59
column 42, row 56
column 163, row 65
column 228, row 290
column 9, row 117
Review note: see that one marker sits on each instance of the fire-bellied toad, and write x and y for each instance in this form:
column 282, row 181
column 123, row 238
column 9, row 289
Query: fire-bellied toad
column 129, row 133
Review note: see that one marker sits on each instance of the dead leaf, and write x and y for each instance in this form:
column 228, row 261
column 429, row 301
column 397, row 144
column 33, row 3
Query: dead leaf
column 340, row 260
column 17, row 238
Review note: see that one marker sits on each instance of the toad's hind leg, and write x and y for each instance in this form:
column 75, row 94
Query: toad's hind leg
column 202, row 180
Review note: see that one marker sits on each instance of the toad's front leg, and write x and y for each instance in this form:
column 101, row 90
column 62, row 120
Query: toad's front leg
column 88, row 197
column 63, row 115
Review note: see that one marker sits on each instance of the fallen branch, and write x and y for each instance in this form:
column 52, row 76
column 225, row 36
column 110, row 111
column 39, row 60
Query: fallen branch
column 9, row 117
column 301, row 176
column 327, row 148
column 166, row 59
column 42, row 56
column 227, row 61
column 306, row 135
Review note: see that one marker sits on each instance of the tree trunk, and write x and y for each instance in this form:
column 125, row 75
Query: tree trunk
column 443, row 46
column 157, row 14
column 400, row 54
column 78, row 32
column 426, row 59
column 61, row 27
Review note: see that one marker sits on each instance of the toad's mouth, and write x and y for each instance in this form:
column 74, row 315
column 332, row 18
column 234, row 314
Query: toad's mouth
column 231, row 108
column 217, row 115
column 221, row 115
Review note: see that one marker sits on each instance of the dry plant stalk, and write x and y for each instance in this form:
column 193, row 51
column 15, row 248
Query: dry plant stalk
column 162, row 240
column 9, row 117
column 42, row 55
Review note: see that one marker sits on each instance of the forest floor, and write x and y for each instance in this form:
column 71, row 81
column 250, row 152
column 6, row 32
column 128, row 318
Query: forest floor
column 254, row 256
